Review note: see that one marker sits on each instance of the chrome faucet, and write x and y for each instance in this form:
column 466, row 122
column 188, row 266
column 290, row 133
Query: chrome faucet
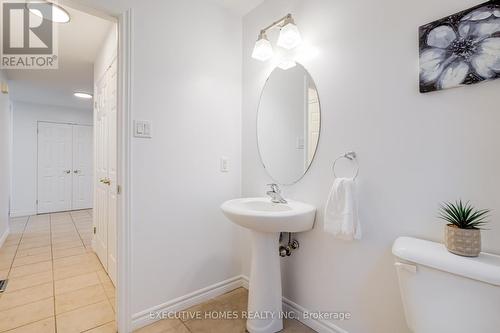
column 275, row 194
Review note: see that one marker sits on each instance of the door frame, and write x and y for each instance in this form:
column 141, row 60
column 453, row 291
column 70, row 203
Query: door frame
column 38, row 152
column 124, row 168
column 124, row 21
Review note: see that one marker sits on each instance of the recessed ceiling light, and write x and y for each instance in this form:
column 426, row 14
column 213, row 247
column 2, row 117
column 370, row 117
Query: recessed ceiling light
column 59, row 14
column 82, row 95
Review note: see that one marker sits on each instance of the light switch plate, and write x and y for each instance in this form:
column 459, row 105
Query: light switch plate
column 142, row 129
column 224, row 164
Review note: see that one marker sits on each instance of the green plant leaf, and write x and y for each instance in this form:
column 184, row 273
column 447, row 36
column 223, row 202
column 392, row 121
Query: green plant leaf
column 463, row 215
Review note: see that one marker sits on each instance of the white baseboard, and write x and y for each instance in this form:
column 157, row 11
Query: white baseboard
column 20, row 213
column 3, row 238
column 321, row 326
column 143, row 318
column 244, row 282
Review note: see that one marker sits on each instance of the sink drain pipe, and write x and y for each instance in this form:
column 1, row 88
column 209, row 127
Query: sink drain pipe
column 286, row 250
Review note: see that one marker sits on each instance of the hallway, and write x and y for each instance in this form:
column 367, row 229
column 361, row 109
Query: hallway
column 56, row 282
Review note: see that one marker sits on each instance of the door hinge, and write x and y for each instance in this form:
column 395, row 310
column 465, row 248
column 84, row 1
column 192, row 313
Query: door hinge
column 95, row 230
column 118, row 189
column 37, row 202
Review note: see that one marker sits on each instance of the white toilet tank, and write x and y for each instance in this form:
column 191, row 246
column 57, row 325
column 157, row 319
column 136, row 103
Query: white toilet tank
column 446, row 293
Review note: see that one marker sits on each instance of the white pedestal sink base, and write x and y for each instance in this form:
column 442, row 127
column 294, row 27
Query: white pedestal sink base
column 266, row 219
column 264, row 295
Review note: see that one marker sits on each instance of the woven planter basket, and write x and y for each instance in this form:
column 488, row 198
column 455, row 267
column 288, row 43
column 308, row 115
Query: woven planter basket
column 464, row 242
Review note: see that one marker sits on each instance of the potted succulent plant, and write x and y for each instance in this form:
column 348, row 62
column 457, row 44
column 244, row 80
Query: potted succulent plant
column 463, row 231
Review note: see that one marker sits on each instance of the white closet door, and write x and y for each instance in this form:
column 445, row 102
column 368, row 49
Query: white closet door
column 54, row 167
column 82, row 167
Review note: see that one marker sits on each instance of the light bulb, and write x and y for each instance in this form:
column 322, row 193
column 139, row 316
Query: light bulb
column 289, row 36
column 263, row 49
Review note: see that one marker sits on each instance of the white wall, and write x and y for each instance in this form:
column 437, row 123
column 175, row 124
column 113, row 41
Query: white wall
column 5, row 160
column 24, row 149
column 415, row 150
column 187, row 82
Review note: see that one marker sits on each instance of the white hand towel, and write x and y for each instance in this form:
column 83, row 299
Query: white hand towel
column 341, row 210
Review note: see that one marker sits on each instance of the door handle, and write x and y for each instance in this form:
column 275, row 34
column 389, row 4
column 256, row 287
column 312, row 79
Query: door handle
column 106, row 181
column 76, row 171
column 67, row 171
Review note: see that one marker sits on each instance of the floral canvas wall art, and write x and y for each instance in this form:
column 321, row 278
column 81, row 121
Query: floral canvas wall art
column 461, row 49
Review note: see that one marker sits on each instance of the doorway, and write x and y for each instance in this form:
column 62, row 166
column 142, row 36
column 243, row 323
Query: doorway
column 60, row 142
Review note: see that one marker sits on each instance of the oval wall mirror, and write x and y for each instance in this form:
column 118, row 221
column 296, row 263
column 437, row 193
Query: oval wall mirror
column 288, row 124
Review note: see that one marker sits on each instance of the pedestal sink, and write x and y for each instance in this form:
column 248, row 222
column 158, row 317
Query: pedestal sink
column 266, row 220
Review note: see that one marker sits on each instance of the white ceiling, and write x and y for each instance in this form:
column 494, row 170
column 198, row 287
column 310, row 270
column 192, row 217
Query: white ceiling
column 241, row 7
column 79, row 42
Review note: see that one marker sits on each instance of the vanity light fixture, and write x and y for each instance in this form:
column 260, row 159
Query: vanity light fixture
column 263, row 50
column 289, row 38
column 289, row 35
column 59, row 14
column 82, row 95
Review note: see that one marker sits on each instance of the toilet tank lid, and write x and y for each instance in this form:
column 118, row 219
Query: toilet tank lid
column 484, row 268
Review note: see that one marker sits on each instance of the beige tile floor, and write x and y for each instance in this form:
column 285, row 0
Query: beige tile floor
column 56, row 283
column 235, row 300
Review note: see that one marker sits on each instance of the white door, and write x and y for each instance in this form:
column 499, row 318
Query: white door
column 82, row 167
column 106, row 189
column 54, row 167
column 101, row 174
column 111, row 101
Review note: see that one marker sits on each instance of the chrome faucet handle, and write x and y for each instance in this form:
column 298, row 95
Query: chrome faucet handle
column 275, row 194
column 275, row 187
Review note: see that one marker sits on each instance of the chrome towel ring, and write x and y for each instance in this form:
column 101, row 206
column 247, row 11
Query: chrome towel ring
column 351, row 156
